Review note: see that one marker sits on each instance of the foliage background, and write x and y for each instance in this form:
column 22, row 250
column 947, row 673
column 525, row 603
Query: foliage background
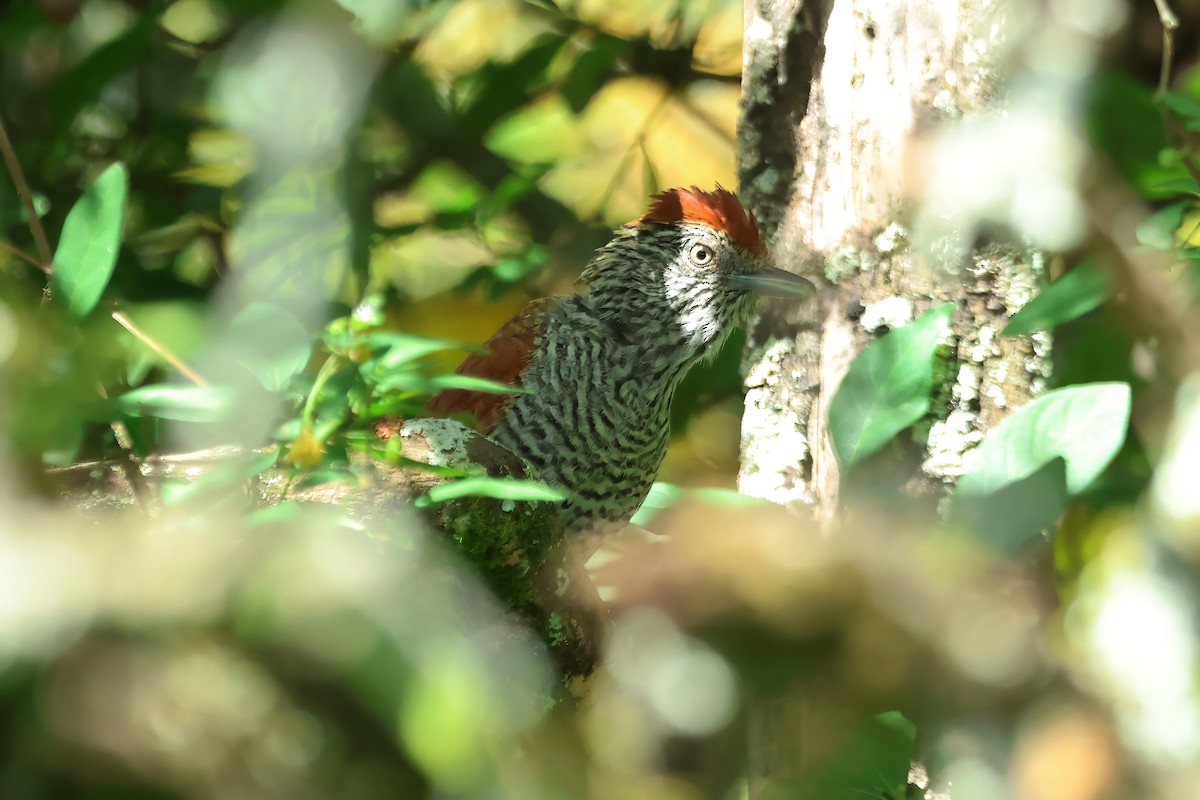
column 456, row 159
column 365, row 167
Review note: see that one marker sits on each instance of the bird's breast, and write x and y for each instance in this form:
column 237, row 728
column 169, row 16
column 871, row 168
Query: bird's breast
column 595, row 421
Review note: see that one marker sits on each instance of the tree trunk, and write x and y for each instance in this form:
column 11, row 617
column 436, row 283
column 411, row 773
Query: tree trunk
column 836, row 95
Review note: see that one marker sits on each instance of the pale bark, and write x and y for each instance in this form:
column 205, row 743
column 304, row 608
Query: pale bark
column 836, row 92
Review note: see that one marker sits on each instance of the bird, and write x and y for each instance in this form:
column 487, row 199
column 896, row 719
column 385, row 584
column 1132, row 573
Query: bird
column 597, row 368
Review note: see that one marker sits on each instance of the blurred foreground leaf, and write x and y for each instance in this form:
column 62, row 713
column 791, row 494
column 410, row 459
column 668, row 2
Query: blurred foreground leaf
column 874, row 762
column 277, row 346
column 91, row 237
column 887, row 388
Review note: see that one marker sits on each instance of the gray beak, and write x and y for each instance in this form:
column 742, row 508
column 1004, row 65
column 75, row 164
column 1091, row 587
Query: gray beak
column 772, row 282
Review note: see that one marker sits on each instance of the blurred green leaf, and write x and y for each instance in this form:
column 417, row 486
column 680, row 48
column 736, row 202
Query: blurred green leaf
column 1083, row 425
column 664, row 495
column 84, row 82
column 1158, row 231
column 1127, row 125
column 887, row 388
column 874, row 762
column 1179, row 185
column 592, row 70
column 1187, row 108
column 277, row 346
column 91, row 239
column 68, row 439
column 1079, row 291
column 497, row 488
column 183, row 403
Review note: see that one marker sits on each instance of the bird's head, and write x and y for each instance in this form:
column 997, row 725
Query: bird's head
column 692, row 267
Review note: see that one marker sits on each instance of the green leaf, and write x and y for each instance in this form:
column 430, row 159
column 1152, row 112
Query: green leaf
column 498, row 488
column 91, row 237
column 1083, row 425
column 183, row 403
column 472, row 383
column 415, row 382
column 271, row 344
column 1070, row 297
column 403, row 348
column 887, row 388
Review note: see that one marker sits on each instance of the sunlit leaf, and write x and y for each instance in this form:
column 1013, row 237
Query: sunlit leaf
column 91, row 238
column 887, row 388
column 498, row 488
column 1083, row 425
column 1079, row 291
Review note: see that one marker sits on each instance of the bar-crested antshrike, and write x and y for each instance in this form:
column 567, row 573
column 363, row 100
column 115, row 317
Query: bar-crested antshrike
column 600, row 366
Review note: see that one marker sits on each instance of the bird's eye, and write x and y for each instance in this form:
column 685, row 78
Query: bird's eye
column 701, row 255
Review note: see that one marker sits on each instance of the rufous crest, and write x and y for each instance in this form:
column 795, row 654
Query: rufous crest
column 719, row 209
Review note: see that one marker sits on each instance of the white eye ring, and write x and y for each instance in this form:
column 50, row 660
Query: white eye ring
column 701, row 255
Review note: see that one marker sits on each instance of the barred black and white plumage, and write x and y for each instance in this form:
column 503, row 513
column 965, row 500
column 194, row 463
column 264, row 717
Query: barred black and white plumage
column 600, row 366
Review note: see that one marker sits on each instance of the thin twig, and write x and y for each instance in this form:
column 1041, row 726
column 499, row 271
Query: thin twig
column 1169, row 23
column 131, row 465
column 19, row 253
column 18, row 179
column 172, row 359
column 1177, row 135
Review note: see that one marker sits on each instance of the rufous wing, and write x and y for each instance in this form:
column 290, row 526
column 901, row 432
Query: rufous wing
column 505, row 357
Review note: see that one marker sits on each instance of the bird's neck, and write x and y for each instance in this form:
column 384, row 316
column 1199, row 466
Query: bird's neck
column 645, row 347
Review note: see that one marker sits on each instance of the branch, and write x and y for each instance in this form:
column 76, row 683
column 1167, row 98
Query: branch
column 18, row 179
